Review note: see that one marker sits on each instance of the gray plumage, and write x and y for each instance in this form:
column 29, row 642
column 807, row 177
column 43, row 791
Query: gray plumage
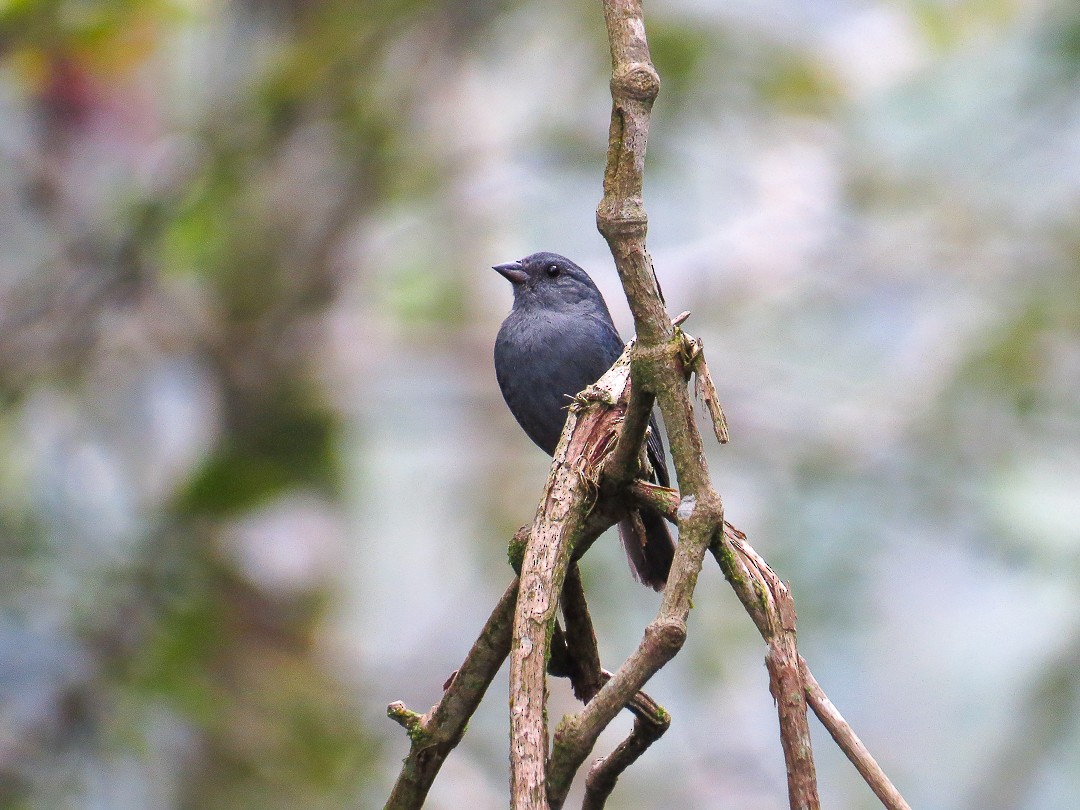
column 557, row 340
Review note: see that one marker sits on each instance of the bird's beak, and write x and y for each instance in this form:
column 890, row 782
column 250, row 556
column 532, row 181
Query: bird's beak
column 512, row 272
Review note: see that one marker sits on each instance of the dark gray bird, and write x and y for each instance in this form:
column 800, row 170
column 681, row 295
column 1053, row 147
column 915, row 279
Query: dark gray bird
column 558, row 340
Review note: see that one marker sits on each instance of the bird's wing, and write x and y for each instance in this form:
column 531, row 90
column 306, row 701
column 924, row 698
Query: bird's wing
column 609, row 339
column 654, row 449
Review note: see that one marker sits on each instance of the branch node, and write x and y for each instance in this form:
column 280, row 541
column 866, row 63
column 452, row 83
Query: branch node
column 515, row 549
column 636, row 80
column 622, row 219
column 568, row 733
column 405, row 717
column 667, row 635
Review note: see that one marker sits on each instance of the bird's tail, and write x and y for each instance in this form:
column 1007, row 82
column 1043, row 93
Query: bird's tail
column 649, row 547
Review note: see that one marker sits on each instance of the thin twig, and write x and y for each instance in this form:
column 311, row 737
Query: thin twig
column 663, row 358
column 850, row 743
column 576, row 734
column 651, row 721
column 666, row 502
column 435, row 734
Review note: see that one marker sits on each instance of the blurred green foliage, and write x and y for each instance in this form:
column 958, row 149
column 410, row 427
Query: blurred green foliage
column 243, row 296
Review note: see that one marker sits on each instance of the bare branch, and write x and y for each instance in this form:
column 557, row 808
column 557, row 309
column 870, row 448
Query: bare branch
column 750, row 564
column 786, row 685
column 650, row 723
column 435, row 734
column 704, row 388
column 850, row 743
column 594, row 460
column 663, row 359
column 562, row 520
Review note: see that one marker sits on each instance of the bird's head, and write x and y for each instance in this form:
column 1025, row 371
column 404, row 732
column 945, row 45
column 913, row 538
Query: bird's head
column 550, row 281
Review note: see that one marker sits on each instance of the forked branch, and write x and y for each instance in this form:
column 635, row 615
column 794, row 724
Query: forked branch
column 663, row 360
column 594, row 463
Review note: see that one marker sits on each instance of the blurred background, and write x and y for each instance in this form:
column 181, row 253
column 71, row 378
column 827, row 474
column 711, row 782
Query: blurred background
column 256, row 477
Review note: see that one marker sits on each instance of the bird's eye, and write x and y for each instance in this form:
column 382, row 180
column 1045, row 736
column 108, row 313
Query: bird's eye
column 553, row 270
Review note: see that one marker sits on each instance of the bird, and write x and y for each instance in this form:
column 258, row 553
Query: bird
column 557, row 340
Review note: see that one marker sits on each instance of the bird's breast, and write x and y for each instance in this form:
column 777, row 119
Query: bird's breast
column 541, row 360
